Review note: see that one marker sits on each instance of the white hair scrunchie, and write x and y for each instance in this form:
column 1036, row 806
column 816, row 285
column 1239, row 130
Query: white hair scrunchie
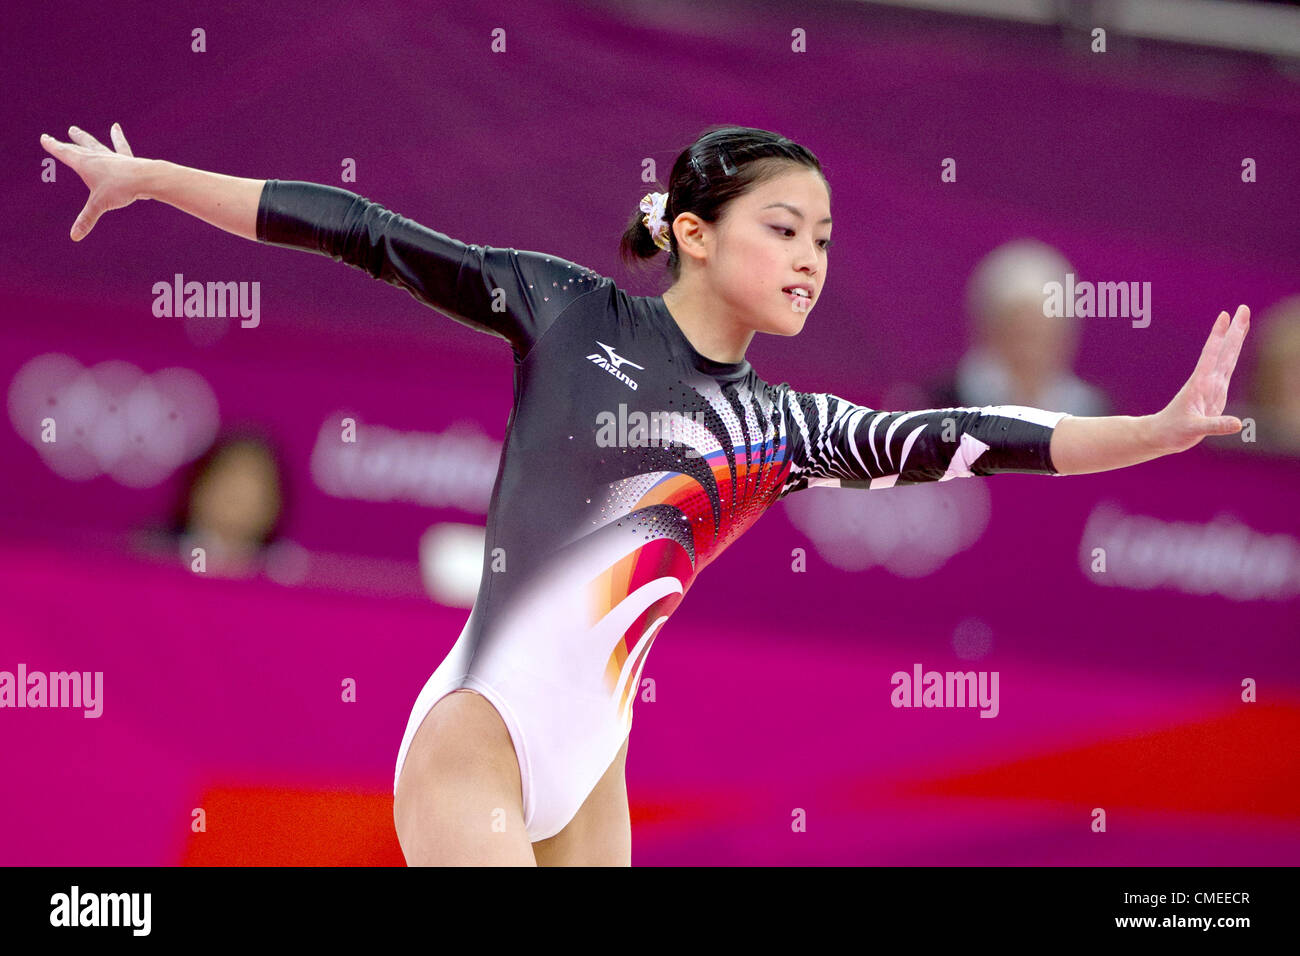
column 654, row 205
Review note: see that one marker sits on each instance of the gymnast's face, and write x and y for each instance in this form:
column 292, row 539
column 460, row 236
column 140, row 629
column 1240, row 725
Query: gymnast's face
column 772, row 237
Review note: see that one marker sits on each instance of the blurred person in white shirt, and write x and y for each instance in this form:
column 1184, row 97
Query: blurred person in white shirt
column 1018, row 355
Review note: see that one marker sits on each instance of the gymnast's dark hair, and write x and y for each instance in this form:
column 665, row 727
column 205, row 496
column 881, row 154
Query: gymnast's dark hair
column 723, row 163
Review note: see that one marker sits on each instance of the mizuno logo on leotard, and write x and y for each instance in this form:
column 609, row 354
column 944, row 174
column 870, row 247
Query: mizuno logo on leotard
column 616, row 359
column 613, row 363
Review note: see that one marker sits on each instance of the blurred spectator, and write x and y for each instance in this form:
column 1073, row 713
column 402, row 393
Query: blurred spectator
column 1018, row 355
column 231, row 505
column 1271, row 396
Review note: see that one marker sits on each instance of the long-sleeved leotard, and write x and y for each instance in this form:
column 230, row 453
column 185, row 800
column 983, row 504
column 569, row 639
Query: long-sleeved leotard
column 601, row 518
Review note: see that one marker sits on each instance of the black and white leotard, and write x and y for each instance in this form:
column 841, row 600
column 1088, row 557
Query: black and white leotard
column 630, row 462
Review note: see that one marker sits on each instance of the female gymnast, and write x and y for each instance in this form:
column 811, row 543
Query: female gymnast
column 514, row 751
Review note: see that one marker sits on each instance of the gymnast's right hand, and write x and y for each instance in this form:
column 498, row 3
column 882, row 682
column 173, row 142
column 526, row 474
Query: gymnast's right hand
column 115, row 179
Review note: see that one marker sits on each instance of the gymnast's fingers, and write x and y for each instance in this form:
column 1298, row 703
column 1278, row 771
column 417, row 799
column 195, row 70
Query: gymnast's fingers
column 82, row 138
column 119, row 140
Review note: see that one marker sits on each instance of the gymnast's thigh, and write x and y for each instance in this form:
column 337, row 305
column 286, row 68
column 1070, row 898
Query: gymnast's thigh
column 600, row 834
column 459, row 795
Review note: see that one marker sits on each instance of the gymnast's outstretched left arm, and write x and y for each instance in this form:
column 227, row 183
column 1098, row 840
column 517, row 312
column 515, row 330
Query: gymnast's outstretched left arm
column 1081, row 446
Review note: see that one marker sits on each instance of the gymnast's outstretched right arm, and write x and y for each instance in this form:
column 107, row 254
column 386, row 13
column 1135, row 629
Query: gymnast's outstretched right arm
column 116, row 178
column 513, row 294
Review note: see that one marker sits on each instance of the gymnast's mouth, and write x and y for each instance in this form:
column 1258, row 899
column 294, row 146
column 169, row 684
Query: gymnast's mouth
column 800, row 294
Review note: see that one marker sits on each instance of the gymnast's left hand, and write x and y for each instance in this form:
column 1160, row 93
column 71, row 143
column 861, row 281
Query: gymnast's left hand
column 1197, row 410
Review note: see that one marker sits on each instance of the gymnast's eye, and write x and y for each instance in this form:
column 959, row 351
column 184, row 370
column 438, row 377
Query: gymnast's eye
column 828, row 242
